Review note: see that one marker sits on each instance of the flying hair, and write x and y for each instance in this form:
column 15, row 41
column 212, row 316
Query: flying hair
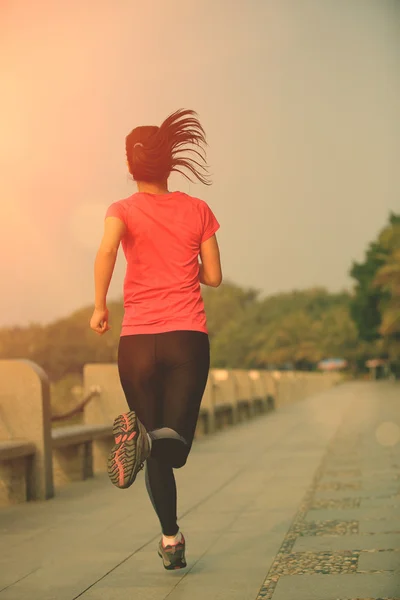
column 179, row 143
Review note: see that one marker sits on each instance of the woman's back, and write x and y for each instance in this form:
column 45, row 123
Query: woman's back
column 162, row 245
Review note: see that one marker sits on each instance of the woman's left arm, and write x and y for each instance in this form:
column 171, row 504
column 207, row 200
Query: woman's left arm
column 114, row 231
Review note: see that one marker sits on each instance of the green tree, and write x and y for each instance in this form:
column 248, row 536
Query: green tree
column 387, row 281
column 292, row 328
column 368, row 298
column 226, row 304
column 337, row 332
column 294, row 339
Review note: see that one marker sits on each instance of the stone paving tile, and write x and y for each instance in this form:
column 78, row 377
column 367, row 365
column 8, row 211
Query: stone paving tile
column 379, row 561
column 380, row 492
column 353, row 514
column 380, row 526
column 328, row 527
column 348, row 455
column 309, row 563
column 370, row 463
column 388, row 476
column 386, row 479
column 380, row 541
column 342, row 474
column 335, row 485
column 380, row 483
column 329, row 503
column 334, row 464
column 382, row 503
column 339, row 587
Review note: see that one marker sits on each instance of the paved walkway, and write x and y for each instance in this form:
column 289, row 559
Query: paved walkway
column 302, row 504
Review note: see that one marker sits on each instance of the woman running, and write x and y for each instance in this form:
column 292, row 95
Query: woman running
column 164, row 351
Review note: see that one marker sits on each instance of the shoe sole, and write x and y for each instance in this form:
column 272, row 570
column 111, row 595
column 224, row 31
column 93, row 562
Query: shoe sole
column 127, row 456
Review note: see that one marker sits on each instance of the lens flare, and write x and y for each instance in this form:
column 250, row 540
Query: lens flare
column 388, row 434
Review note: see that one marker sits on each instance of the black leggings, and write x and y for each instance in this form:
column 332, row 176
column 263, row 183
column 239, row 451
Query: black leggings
column 164, row 376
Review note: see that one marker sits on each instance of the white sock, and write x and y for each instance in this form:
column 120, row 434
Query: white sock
column 172, row 540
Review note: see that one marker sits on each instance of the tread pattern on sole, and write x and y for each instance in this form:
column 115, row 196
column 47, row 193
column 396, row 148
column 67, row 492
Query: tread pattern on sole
column 125, row 459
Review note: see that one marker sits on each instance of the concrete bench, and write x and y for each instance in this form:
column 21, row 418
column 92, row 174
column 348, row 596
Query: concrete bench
column 206, row 421
column 25, row 438
column 224, row 395
column 244, row 394
column 263, row 391
column 73, row 451
column 103, row 409
column 11, row 449
column 16, row 475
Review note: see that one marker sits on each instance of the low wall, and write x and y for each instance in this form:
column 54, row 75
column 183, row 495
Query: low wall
column 32, row 454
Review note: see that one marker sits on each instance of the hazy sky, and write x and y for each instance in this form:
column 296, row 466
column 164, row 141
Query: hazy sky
column 299, row 99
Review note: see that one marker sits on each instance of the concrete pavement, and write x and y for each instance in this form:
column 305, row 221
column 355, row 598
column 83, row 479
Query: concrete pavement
column 299, row 504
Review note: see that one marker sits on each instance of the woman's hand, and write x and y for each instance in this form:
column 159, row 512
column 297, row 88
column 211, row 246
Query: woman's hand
column 99, row 321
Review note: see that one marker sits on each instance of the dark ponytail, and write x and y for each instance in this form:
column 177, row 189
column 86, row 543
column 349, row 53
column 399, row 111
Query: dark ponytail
column 154, row 152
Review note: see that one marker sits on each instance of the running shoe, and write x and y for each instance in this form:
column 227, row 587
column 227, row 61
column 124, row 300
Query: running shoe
column 130, row 450
column 173, row 556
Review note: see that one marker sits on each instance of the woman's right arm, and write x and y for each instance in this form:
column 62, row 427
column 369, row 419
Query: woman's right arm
column 210, row 272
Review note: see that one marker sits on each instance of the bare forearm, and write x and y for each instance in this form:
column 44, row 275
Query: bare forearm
column 103, row 270
column 202, row 276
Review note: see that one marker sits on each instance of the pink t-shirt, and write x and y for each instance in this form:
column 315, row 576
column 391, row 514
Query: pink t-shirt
column 161, row 246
